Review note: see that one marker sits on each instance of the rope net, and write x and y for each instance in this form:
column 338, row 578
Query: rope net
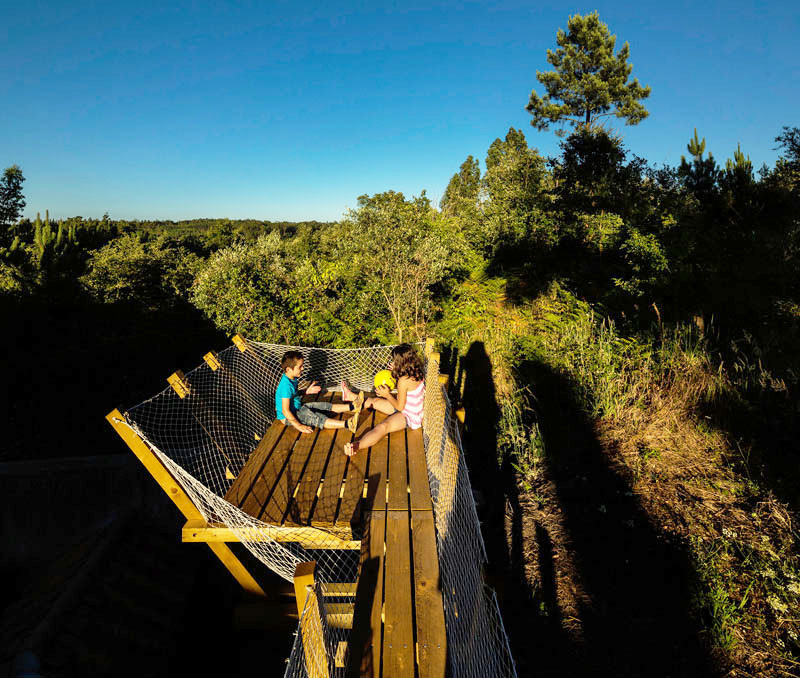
column 205, row 437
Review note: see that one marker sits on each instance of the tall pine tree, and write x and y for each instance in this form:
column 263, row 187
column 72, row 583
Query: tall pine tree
column 588, row 78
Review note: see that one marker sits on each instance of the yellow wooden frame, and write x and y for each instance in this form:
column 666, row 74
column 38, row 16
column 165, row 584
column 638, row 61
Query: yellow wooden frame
column 175, row 492
column 308, row 537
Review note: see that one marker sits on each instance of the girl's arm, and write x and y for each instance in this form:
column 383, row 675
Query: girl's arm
column 400, row 401
column 402, row 390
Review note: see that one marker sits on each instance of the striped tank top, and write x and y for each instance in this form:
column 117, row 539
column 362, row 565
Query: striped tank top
column 413, row 409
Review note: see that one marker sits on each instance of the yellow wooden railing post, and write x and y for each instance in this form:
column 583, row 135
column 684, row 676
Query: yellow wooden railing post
column 311, row 623
column 175, row 492
column 429, row 345
column 460, row 416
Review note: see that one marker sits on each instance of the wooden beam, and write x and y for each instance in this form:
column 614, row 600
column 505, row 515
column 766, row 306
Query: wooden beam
column 460, row 416
column 212, row 360
column 175, row 492
column 178, row 382
column 308, row 537
column 312, row 626
column 430, row 342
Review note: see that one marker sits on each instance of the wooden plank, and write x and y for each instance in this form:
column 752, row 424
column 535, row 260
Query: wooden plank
column 431, row 635
column 303, row 502
column 419, row 487
column 398, row 631
column 311, row 623
column 357, row 467
column 324, row 510
column 341, row 589
column 397, row 497
column 365, row 638
column 244, row 482
column 309, row 537
column 261, row 491
column 378, row 475
column 339, row 615
column 288, row 477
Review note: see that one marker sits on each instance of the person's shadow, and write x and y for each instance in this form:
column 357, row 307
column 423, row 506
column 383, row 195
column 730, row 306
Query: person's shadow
column 635, row 611
column 500, row 513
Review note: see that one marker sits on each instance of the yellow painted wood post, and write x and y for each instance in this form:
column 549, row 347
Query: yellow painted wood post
column 311, row 623
column 175, row 492
column 460, row 416
column 429, row 345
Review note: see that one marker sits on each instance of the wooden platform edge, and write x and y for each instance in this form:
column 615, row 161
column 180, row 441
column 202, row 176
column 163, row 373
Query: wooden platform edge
column 198, row 530
column 175, row 492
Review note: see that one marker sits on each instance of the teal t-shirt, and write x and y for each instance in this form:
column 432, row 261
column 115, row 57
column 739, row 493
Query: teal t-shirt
column 287, row 388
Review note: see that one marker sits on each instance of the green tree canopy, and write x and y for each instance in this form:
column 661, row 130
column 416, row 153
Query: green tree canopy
column 462, row 192
column 12, row 202
column 588, row 78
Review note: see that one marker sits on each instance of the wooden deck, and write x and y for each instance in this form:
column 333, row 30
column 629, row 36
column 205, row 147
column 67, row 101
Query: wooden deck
column 379, row 501
column 305, row 482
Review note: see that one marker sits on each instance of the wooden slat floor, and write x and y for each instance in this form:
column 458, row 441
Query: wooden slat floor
column 294, row 480
column 398, row 622
column 380, row 496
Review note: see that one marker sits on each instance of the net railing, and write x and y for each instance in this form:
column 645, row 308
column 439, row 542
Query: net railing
column 206, row 437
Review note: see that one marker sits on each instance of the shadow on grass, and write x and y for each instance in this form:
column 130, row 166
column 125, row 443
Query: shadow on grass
column 635, row 611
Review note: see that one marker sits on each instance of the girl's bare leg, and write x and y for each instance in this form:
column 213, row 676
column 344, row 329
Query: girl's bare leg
column 340, row 407
column 396, row 422
column 380, row 404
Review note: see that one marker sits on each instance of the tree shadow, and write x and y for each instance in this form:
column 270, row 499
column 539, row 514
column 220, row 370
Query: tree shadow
column 69, row 365
column 636, row 609
column 766, row 430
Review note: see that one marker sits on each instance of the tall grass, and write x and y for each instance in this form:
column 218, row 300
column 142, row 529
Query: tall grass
column 614, row 375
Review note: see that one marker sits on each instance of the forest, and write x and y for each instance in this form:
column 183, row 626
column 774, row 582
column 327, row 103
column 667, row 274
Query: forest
column 623, row 337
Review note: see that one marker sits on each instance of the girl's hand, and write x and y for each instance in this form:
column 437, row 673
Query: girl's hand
column 383, row 391
column 313, row 388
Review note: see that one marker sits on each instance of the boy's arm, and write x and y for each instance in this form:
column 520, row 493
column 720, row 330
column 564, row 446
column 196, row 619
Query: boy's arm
column 312, row 388
column 294, row 421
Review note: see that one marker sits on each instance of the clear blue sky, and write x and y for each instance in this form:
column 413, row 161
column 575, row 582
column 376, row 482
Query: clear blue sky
column 286, row 110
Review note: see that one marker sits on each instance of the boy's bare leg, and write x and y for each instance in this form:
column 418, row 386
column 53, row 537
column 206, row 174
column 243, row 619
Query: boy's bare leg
column 335, row 423
column 396, row 422
column 340, row 407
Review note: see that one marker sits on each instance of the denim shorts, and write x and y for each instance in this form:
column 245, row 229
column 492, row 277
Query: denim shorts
column 313, row 414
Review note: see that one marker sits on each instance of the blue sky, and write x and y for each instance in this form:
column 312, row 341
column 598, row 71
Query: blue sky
column 289, row 111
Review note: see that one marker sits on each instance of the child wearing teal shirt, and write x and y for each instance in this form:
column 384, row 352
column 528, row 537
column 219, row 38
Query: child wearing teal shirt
column 290, row 409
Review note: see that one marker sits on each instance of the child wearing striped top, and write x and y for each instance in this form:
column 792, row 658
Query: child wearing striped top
column 404, row 410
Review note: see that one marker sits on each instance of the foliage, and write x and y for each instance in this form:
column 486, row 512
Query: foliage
column 134, row 268
column 588, row 78
column 646, row 262
column 12, row 201
column 461, row 194
column 400, row 253
column 514, row 218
